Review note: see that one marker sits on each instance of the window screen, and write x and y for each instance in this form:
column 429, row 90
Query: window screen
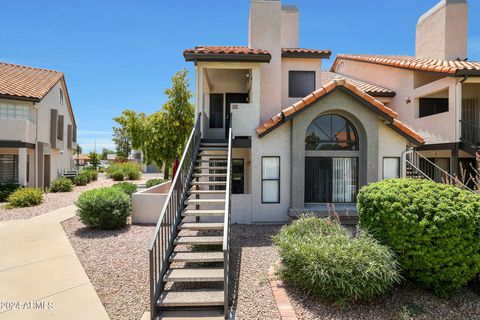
column 8, row 168
column 270, row 179
column 431, row 106
column 216, row 110
column 300, row 83
column 391, row 168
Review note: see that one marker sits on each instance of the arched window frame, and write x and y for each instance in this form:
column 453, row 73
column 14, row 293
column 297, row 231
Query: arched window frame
column 333, row 144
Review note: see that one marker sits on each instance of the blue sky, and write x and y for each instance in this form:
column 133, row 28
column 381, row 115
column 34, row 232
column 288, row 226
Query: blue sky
column 119, row 54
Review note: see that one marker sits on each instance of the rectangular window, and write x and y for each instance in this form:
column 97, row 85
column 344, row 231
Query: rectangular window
column 8, row 168
column 238, row 176
column 270, row 179
column 14, row 111
column 300, row 83
column 431, row 106
column 391, row 168
column 216, row 110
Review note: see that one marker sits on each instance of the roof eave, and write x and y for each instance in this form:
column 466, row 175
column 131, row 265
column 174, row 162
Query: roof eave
column 21, row 98
column 307, row 55
column 227, row 57
column 381, row 94
column 405, row 135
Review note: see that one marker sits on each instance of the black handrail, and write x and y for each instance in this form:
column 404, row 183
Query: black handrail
column 161, row 245
column 470, row 133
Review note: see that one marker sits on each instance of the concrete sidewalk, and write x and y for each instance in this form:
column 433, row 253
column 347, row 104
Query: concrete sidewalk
column 40, row 274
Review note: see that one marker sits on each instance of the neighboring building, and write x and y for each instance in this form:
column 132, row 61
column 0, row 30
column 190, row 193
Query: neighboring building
column 81, row 159
column 146, row 168
column 38, row 133
column 302, row 138
column 437, row 91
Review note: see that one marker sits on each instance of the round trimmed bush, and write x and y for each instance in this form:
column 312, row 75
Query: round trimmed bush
column 7, row 189
column 434, row 228
column 153, row 182
column 25, row 197
column 117, row 176
column 323, row 259
column 61, row 185
column 104, row 208
column 127, row 187
column 82, row 179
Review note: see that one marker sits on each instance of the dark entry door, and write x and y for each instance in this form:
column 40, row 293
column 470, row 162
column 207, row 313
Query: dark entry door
column 229, row 99
column 46, row 171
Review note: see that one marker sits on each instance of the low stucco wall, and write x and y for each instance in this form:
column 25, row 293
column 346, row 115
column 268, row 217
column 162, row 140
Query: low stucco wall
column 147, row 204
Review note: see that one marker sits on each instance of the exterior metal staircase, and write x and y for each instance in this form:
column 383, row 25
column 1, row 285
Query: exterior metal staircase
column 190, row 250
column 420, row 167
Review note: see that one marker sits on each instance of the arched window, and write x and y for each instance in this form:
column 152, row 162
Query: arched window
column 331, row 132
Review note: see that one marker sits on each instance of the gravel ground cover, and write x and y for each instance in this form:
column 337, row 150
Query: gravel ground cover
column 117, row 264
column 52, row 201
column 406, row 301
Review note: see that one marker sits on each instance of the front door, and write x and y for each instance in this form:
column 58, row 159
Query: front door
column 229, row 99
column 46, row 171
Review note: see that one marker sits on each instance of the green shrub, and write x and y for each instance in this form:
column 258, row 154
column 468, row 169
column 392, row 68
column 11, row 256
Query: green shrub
column 130, row 170
column 117, row 176
column 433, row 227
column 6, row 189
column 61, row 185
column 101, row 169
column 82, row 179
column 323, row 259
column 25, row 197
column 153, row 182
column 127, row 187
column 93, row 174
column 104, row 208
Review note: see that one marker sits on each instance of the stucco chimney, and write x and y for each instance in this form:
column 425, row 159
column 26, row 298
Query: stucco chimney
column 442, row 32
column 264, row 24
column 289, row 32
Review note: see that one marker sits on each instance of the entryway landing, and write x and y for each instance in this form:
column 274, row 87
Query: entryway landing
column 347, row 212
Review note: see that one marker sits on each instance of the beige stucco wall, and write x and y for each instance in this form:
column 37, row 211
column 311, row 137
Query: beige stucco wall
column 439, row 128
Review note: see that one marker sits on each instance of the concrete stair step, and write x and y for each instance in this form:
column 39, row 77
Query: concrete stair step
column 208, row 175
column 210, row 168
column 191, row 298
column 213, row 155
column 209, row 256
column 194, row 275
column 201, row 226
column 192, row 315
column 208, row 183
column 207, row 240
column 216, row 160
column 203, row 213
column 205, row 201
column 214, row 148
column 206, row 192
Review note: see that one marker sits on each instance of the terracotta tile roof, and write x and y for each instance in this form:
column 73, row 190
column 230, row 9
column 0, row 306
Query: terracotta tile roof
column 390, row 115
column 371, row 89
column 450, row 67
column 26, row 82
column 234, row 53
column 305, row 53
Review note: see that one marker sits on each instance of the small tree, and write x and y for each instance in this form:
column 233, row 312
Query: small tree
column 122, row 143
column 94, row 159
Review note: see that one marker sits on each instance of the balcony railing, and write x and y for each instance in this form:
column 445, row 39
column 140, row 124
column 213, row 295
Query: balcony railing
column 470, row 133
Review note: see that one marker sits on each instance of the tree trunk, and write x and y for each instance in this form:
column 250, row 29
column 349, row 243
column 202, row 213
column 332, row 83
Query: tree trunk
column 165, row 171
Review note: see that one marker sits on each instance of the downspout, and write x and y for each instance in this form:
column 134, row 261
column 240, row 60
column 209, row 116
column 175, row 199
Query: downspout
column 36, row 146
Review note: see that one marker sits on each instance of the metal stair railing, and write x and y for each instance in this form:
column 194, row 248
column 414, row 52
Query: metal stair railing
column 161, row 245
column 418, row 166
column 226, row 229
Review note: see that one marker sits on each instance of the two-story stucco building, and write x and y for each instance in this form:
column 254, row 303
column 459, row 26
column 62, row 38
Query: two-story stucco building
column 301, row 137
column 37, row 125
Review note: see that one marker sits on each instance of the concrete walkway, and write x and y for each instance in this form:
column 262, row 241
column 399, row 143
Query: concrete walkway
column 40, row 274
